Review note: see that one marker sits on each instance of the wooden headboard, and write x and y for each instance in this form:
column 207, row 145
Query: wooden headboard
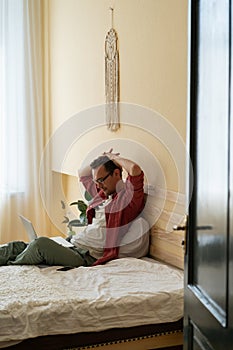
column 167, row 247
column 166, row 244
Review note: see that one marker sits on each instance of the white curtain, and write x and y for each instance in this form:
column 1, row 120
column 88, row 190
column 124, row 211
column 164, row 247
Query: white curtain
column 23, row 129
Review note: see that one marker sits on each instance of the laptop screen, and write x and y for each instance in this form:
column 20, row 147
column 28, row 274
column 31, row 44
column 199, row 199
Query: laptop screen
column 29, row 228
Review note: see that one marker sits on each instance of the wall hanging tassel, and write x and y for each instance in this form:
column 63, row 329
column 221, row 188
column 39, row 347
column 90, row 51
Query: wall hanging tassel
column 112, row 80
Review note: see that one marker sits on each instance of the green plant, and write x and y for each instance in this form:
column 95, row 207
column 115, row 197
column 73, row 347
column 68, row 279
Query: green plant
column 82, row 207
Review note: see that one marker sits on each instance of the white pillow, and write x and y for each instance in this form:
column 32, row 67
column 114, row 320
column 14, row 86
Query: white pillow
column 135, row 243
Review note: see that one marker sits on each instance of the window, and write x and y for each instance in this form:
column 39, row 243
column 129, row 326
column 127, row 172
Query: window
column 12, row 97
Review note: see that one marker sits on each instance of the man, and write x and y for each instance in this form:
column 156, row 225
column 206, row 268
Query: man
column 114, row 206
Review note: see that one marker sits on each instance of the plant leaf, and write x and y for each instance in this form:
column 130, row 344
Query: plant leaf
column 82, row 206
column 75, row 223
column 74, row 203
column 66, row 220
column 63, row 204
column 83, row 218
column 87, row 196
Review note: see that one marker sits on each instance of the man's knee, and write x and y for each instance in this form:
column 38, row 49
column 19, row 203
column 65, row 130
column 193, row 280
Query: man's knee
column 41, row 242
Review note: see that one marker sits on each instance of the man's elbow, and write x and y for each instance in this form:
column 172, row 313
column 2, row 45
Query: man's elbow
column 135, row 170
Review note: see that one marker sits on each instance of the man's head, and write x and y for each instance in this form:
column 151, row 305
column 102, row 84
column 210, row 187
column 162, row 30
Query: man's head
column 106, row 174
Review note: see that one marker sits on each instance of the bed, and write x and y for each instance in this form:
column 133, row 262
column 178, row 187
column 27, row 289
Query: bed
column 127, row 303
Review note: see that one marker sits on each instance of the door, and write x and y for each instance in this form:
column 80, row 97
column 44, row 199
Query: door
column 208, row 322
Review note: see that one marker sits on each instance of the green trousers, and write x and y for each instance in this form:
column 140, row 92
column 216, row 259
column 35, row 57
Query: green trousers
column 43, row 251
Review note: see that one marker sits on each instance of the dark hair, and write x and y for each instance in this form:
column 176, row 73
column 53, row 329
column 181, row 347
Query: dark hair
column 109, row 165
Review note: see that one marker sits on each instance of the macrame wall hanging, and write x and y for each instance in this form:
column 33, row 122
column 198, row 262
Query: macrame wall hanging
column 112, row 78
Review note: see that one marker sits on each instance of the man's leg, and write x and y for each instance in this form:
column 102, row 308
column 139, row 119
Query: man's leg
column 10, row 250
column 45, row 251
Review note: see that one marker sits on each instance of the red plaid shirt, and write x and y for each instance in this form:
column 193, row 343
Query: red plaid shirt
column 125, row 206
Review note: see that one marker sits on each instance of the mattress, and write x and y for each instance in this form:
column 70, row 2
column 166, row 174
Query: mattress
column 125, row 292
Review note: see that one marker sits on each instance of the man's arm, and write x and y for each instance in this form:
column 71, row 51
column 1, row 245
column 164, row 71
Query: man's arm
column 85, row 171
column 131, row 167
column 85, row 177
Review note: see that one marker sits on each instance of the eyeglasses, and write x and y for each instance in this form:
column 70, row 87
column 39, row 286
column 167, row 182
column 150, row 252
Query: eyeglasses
column 102, row 179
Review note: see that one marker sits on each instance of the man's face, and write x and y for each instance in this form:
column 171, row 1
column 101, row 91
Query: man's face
column 105, row 180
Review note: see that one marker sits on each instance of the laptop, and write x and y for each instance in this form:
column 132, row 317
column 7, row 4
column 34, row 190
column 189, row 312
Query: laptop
column 32, row 233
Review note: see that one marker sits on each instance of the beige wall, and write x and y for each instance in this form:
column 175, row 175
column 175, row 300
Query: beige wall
column 153, row 55
column 153, row 62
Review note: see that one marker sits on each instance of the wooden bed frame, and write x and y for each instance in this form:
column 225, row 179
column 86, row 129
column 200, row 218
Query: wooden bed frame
column 136, row 338
column 166, row 247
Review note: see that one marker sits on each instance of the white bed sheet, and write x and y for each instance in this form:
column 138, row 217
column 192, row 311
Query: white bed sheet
column 123, row 293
